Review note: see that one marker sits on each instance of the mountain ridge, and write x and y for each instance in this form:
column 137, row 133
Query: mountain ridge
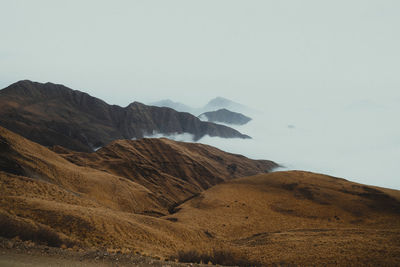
column 212, row 105
column 225, row 116
column 53, row 114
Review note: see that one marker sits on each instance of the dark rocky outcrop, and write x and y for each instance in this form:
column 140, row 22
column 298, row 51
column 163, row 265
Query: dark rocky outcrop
column 221, row 102
column 226, row 116
column 52, row 114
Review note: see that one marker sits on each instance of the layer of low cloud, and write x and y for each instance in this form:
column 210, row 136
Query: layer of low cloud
column 181, row 137
column 355, row 141
column 325, row 73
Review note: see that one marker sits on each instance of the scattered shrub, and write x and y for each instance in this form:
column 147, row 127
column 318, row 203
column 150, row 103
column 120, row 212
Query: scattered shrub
column 11, row 227
column 221, row 257
column 189, row 256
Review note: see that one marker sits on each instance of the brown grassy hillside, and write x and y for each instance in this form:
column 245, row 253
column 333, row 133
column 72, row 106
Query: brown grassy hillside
column 172, row 171
column 277, row 218
column 90, row 207
column 302, row 218
column 24, row 158
column 43, row 195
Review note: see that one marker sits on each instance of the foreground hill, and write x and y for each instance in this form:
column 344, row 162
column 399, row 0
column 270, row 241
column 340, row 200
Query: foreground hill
column 225, row 116
column 49, row 199
column 142, row 176
column 20, row 157
column 53, row 114
column 173, row 171
column 278, row 218
column 301, row 218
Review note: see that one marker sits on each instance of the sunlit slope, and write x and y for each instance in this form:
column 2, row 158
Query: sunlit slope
column 99, row 208
column 172, row 171
column 300, row 217
column 277, row 218
column 22, row 157
column 85, row 206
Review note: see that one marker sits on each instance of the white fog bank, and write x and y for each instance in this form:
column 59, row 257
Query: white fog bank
column 325, row 74
column 357, row 141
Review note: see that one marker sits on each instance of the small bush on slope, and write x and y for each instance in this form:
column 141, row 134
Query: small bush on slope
column 221, row 257
column 11, row 227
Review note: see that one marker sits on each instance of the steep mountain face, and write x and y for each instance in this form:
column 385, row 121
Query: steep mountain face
column 104, row 198
column 19, row 156
column 225, row 116
column 52, row 114
column 42, row 190
column 173, row 171
column 147, row 175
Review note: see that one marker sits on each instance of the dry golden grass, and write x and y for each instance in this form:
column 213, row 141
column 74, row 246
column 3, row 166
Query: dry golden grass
column 302, row 218
column 171, row 171
column 41, row 164
column 278, row 218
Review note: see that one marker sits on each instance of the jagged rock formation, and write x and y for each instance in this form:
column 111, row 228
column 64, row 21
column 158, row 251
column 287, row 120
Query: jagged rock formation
column 53, row 114
column 225, row 116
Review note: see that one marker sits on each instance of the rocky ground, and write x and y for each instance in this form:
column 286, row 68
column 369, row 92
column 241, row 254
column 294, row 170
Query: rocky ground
column 14, row 252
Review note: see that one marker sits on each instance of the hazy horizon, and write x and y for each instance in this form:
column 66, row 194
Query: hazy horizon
column 328, row 68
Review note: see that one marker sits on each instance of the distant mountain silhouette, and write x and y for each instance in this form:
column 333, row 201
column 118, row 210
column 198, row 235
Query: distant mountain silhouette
column 174, row 105
column 220, row 103
column 213, row 105
column 52, row 114
column 225, row 116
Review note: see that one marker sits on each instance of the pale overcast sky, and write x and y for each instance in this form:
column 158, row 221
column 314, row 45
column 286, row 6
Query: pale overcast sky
column 186, row 50
column 332, row 65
